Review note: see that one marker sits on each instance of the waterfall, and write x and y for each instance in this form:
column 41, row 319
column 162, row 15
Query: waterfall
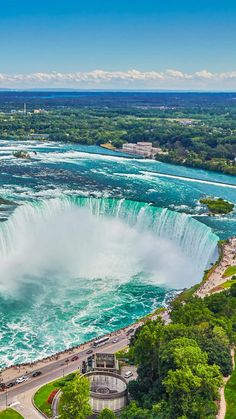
column 196, row 240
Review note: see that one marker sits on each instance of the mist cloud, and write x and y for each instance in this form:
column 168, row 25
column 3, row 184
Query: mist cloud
column 73, row 243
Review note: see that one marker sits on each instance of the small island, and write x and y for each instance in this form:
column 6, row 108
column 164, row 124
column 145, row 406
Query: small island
column 21, row 154
column 217, row 206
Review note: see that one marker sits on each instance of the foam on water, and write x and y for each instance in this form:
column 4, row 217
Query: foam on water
column 96, row 265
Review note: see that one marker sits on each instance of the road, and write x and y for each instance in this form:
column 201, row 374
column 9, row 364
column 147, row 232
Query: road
column 19, row 397
column 54, row 370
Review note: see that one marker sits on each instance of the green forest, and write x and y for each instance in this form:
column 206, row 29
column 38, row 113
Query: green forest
column 196, row 136
column 181, row 365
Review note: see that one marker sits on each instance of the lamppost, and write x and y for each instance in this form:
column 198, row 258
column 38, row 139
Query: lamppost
column 6, row 398
column 67, row 362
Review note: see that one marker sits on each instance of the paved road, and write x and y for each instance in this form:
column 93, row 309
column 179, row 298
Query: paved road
column 19, row 397
column 57, row 369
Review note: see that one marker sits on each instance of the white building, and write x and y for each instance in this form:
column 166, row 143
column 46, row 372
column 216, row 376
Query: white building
column 144, row 149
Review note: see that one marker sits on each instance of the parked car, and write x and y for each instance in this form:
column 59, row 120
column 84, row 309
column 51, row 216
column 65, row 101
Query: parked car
column 11, row 384
column 128, row 374
column 74, row 358
column 90, row 351
column 36, row 373
column 129, row 332
column 22, row 379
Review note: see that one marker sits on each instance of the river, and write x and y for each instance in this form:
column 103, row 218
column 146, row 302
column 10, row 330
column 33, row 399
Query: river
column 89, row 242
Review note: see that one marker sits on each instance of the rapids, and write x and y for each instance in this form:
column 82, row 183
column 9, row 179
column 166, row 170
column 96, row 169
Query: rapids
column 92, row 242
column 75, row 267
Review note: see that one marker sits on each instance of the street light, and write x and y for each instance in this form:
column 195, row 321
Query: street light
column 6, row 399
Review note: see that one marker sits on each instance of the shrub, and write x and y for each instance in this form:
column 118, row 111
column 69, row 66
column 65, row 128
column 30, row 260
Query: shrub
column 52, row 395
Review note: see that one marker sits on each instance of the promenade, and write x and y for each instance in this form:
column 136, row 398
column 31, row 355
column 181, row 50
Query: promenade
column 216, row 277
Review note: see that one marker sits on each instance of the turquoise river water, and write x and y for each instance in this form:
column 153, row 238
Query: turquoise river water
column 91, row 242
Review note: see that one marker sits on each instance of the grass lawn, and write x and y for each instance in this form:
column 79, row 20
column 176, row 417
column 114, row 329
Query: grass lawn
column 41, row 396
column 230, row 396
column 231, row 270
column 228, row 284
column 10, row 414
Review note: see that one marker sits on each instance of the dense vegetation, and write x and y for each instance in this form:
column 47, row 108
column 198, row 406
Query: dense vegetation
column 230, row 396
column 42, row 397
column 74, row 402
column 217, row 205
column 197, row 130
column 10, row 414
column 181, row 365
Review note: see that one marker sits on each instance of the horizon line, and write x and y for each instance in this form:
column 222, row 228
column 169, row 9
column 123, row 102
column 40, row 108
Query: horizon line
column 111, row 90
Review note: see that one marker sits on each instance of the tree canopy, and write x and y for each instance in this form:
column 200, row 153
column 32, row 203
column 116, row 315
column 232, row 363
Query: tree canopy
column 180, row 365
column 74, row 403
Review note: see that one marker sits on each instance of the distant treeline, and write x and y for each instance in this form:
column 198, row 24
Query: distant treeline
column 197, row 129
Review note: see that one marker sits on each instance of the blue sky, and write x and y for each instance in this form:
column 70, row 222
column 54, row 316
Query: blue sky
column 64, row 43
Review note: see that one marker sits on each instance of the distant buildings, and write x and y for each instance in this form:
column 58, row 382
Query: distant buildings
column 24, row 111
column 141, row 148
column 38, row 136
column 37, row 111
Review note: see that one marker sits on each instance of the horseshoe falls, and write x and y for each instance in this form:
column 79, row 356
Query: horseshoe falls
column 90, row 243
column 96, row 262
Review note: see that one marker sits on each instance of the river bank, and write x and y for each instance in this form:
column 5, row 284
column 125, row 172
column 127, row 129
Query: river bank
column 218, row 275
column 14, row 371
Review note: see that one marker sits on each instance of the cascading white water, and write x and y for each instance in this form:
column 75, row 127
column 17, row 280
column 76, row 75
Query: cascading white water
column 89, row 237
column 75, row 268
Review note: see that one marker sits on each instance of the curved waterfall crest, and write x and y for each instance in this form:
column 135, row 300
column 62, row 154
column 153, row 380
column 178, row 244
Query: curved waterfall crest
column 195, row 239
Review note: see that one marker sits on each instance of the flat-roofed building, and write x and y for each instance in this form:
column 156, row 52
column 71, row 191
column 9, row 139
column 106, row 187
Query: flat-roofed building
column 38, row 136
column 103, row 362
column 142, row 148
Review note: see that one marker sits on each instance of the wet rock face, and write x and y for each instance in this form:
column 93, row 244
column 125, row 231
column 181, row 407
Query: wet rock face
column 6, row 201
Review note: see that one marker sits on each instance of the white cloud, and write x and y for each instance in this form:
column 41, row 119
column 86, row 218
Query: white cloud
column 170, row 78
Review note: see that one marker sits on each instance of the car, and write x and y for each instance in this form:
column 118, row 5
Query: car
column 90, row 351
column 74, row 358
column 128, row 374
column 129, row 332
column 115, row 340
column 22, row 379
column 11, row 384
column 36, row 373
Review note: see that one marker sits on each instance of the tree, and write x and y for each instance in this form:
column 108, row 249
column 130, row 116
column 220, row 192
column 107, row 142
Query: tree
column 75, row 399
column 193, row 385
column 106, row 414
column 190, row 314
column 133, row 411
column 233, row 290
column 147, row 354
